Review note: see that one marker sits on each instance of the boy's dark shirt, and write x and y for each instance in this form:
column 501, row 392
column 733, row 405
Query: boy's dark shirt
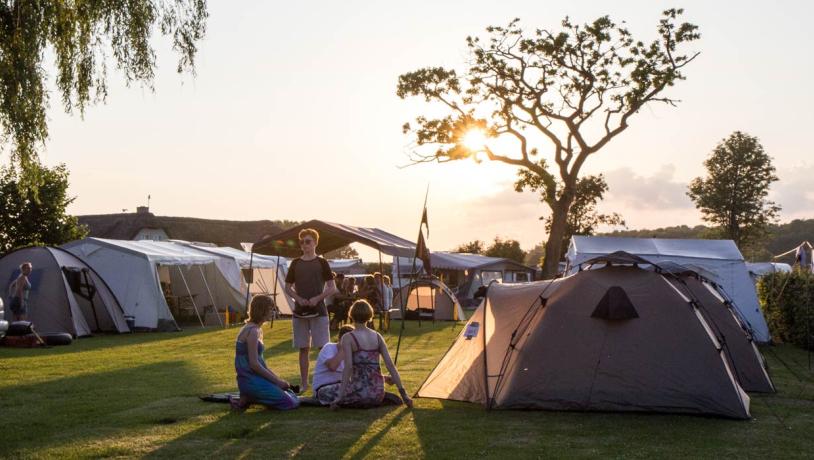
column 309, row 278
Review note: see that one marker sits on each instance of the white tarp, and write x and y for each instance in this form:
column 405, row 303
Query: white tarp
column 721, row 258
column 231, row 262
column 134, row 271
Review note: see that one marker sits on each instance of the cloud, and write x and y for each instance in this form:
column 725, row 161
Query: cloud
column 659, row 191
column 795, row 192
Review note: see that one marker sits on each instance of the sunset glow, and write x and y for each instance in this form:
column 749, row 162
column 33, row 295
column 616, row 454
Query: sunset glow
column 475, row 140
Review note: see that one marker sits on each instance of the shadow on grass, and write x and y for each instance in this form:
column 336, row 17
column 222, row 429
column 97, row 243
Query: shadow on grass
column 102, row 341
column 95, row 406
column 307, row 432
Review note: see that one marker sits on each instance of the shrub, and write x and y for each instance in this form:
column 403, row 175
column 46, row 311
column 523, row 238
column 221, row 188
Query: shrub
column 787, row 300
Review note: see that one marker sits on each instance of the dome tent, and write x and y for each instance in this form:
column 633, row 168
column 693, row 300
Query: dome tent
column 426, row 298
column 67, row 295
column 615, row 338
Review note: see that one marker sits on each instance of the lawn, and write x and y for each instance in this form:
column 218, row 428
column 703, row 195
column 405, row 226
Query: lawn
column 137, row 396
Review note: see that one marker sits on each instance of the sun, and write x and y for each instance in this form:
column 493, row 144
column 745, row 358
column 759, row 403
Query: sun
column 475, row 140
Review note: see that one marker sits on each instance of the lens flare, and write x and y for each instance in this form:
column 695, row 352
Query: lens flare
column 475, row 140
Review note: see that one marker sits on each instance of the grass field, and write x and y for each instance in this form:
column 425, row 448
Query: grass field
column 137, row 396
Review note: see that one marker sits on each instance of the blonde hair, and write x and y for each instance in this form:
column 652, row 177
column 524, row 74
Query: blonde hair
column 361, row 311
column 259, row 309
column 26, row 264
column 309, row 232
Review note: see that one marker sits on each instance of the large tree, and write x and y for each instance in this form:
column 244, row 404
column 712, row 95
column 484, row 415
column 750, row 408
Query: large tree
column 26, row 219
column 566, row 93
column 508, row 249
column 472, row 247
column 79, row 35
column 583, row 218
column 733, row 196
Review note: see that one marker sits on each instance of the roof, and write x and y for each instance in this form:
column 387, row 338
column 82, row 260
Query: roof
column 126, row 226
column 160, row 252
column 464, row 261
column 243, row 258
column 690, row 248
column 334, row 236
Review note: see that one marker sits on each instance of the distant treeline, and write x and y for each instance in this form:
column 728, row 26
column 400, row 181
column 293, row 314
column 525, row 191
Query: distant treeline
column 780, row 237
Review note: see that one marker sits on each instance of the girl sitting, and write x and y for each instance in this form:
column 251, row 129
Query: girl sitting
column 362, row 380
column 256, row 382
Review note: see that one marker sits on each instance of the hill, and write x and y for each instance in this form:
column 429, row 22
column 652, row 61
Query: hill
column 781, row 238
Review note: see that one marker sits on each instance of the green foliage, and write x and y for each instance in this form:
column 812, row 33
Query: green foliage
column 80, row 35
column 733, row 195
column 583, row 218
column 787, row 300
column 547, row 91
column 508, row 249
column 472, row 247
column 26, row 219
column 534, row 256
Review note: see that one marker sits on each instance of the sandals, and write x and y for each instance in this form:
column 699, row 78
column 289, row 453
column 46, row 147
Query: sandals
column 235, row 406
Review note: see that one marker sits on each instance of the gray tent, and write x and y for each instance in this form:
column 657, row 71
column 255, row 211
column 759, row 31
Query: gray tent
column 616, row 338
column 66, row 295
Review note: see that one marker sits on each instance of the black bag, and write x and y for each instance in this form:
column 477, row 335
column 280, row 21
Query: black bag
column 20, row 328
column 305, row 311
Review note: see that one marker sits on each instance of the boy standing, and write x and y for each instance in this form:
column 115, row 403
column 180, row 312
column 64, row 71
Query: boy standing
column 309, row 281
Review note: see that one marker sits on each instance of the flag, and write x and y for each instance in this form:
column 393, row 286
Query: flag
column 425, row 222
column 423, row 252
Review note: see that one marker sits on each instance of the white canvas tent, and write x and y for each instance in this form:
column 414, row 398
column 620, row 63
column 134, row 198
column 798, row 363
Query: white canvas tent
column 234, row 265
column 136, row 271
column 719, row 260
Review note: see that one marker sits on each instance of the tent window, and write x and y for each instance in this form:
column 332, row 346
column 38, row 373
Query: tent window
column 615, row 305
column 489, row 276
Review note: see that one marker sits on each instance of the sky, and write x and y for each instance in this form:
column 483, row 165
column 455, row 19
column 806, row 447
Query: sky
column 293, row 115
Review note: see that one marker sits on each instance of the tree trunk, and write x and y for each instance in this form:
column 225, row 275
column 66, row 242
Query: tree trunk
column 553, row 246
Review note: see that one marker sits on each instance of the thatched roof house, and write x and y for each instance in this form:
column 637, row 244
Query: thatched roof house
column 143, row 224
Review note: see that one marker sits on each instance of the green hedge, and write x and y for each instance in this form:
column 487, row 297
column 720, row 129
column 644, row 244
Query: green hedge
column 787, row 300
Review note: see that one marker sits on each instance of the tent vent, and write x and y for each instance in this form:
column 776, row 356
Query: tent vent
column 615, row 305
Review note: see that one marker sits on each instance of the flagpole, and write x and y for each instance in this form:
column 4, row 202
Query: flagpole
column 412, row 275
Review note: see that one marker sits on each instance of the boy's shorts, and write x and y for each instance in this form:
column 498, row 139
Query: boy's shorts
column 311, row 332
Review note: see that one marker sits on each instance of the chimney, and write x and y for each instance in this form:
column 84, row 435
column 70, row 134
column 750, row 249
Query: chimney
column 142, row 210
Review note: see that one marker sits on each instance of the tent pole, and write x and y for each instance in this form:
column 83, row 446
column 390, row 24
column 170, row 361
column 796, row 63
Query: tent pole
column 249, row 283
column 381, row 291
column 274, row 293
column 417, row 293
column 401, row 307
column 214, row 307
column 485, row 362
column 432, row 302
column 195, row 307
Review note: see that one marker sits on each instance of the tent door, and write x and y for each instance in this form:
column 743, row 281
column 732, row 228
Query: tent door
column 82, row 285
